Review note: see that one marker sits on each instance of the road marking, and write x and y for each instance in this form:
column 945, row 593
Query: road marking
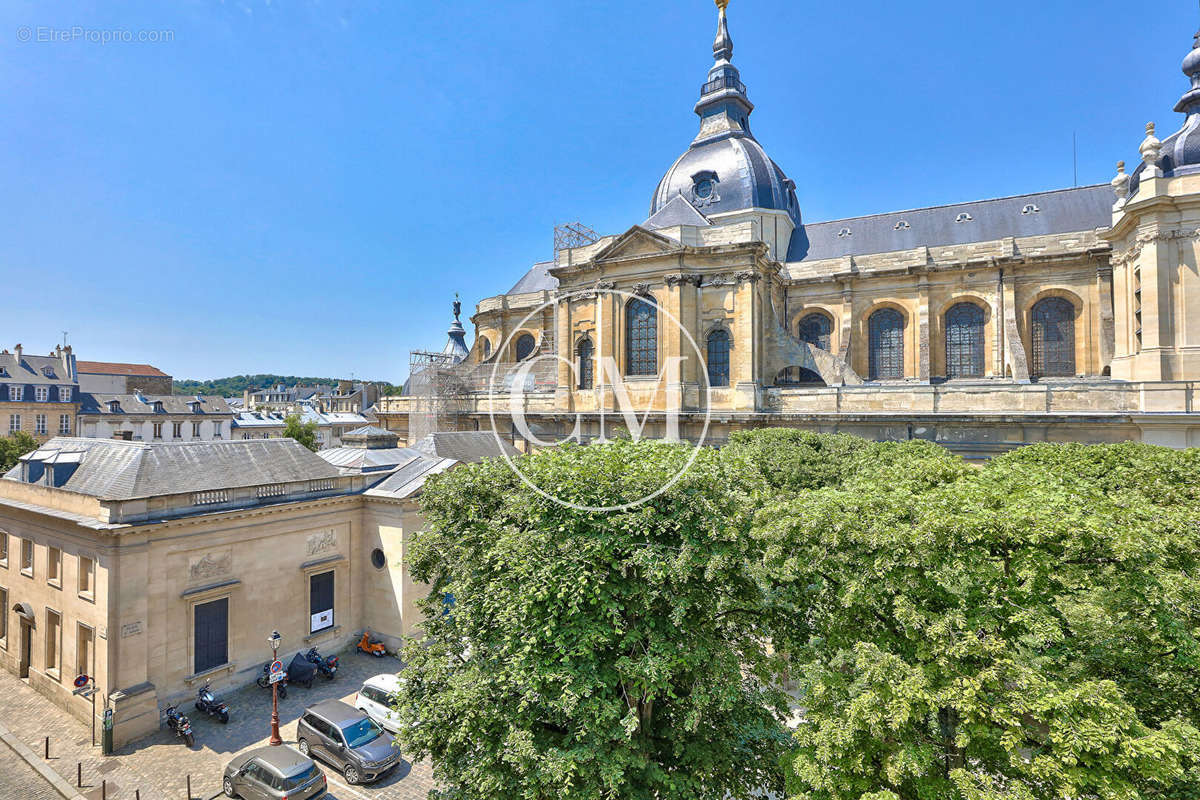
column 332, row 779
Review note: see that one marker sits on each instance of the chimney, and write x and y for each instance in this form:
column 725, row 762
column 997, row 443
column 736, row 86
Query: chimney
column 68, row 362
column 19, row 350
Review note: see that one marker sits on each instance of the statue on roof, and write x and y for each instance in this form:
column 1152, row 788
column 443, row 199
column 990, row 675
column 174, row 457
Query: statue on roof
column 457, row 306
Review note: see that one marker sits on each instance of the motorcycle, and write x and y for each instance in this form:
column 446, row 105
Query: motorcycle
column 326, row 666
column 207, row 702
column 180, row 724
column 367, row 645
column 264, row 680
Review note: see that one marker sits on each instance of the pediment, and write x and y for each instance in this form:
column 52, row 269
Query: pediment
column 638, row 242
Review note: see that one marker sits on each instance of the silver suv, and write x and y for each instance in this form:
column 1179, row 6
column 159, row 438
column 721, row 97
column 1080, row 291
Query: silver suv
column 273, row 773
column 341, row 735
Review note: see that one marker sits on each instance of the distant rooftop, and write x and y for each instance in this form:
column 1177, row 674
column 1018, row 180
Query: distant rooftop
column 114, row 368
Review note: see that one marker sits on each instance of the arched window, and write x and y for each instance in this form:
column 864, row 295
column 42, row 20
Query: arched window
column 641, row 338
column 886, row 344
column 815, row 329
column 964, row 341
column 1053, row 338
column 487, row 348
column 584, row 351
column 718, row 358
column 524, row 346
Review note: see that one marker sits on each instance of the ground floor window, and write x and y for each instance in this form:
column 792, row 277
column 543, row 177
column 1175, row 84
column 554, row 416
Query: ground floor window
column 320, row 599
column 85, row 639
column 53, row 642
column 3, row 615
column 211, row 632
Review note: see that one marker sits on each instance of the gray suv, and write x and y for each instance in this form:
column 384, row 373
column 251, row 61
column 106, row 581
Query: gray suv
column 273, row 773
column 341, row 735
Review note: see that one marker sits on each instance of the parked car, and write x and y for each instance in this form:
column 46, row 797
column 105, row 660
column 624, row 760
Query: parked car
column 346, row 738
column 375, row 700
column 273, row 773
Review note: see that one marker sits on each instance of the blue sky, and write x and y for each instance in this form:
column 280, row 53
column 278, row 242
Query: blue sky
column 300, row 186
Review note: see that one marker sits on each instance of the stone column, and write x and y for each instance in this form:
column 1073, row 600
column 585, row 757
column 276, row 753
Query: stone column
column 923, row 329
column 846, row 323
column 1104, row 290
column 567, row 378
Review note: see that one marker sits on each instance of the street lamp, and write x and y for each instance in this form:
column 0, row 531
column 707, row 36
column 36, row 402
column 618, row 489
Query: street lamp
column 274, row 639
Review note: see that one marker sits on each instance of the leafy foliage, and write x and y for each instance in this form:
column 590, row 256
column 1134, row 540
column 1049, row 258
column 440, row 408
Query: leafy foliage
column 303, row 432
column 234, row 386
column 12, row 447
column 593, row 655
column 1024, row 630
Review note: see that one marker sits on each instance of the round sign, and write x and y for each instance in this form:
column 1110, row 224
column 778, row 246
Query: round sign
column 82, row 681
column 276, row 666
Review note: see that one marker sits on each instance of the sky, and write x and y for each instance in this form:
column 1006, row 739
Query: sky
column 301, row 186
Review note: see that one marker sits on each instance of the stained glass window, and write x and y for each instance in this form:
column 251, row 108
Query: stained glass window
column 524, row 346
column 641, row 337
column 718, row 358
column 964, row 341
column 584, row 351
column 886, row 344
column 1053, row 338
column 815, row 329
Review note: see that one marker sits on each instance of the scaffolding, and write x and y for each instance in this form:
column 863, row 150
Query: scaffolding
column 573, row 234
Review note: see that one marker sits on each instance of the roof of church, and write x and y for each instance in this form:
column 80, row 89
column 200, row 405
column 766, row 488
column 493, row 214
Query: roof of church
column 1063, row 211
column 538, row 279
column 679, row 211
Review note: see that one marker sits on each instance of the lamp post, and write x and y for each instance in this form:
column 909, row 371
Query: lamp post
column 276, row 740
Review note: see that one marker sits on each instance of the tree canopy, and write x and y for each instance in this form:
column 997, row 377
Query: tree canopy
column 303, row 432
column 1024, row 629
column 13, row 446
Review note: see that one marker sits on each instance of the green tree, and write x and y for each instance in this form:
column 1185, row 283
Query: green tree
column 589, row 655
column 1023, row 630
column 12, row 447
column 303, row 432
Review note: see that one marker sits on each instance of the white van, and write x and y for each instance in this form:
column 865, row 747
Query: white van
column 375, row 700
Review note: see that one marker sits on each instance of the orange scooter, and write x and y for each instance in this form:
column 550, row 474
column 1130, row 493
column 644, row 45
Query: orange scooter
column 365, row 645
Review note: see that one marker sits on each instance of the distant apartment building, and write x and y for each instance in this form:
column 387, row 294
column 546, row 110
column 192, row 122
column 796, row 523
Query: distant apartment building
column 39, row 395
column 331, row 425
column 105, row 377
column 142, row 417
column 283, row 398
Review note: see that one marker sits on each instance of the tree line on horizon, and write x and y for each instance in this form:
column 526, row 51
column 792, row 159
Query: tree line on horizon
column 235, row 385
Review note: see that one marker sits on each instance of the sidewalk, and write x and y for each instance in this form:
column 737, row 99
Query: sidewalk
column 158, row 765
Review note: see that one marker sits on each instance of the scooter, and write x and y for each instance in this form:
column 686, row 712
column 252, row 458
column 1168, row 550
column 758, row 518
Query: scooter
column 264, row 680
column 365, row 645
column 180, row 724
column 326, row 666
column 207, row 702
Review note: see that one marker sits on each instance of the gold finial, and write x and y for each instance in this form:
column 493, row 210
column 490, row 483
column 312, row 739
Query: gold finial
column 722, row 4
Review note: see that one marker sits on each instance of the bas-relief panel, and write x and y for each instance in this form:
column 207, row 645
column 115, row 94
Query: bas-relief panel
column 322, row 542
column 205, row 566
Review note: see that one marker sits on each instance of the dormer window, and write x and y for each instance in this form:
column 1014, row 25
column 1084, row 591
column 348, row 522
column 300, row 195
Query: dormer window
column 843, row 233
column 48, row 372
column 114, row 406
column 158, row 407
column 704, row 188
column 4, row 372
column 963, row 217
column 902, row 225
column 1030, row 209
column 194, row 407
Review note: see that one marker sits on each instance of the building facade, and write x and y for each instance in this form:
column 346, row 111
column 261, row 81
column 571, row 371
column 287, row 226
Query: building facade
column 155, row 417
column 39, row 395
column 155, row 568
column 104, row 377
column 1056, row 316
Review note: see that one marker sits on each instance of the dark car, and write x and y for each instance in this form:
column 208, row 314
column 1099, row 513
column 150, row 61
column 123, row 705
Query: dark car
column 341, row 735
column 273, row 773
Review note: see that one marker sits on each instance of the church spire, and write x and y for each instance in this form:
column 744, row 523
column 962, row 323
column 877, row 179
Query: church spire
column 724, row 107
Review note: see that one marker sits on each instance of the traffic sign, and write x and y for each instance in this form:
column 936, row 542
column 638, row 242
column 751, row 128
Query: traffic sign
column 82, row 681
column 277, row 677
column 276, row 666
column 277, row 674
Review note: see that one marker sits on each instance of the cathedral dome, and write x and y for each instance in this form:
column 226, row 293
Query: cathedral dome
column 726, row 169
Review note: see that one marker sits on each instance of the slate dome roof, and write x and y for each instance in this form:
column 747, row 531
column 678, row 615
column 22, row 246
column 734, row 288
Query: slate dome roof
column 1181, row 150
column 726, row 169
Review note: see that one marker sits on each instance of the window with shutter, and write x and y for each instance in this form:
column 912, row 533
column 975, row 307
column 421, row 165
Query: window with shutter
column 211, row 631
column 320, row 597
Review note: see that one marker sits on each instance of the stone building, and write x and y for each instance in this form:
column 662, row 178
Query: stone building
column 39, row 395
column 105, row 377
column 155, row 417
column 155, row 568
column 1054, row 316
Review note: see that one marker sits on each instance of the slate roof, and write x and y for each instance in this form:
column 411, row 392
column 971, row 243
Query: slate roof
column 117, row 470
column 465, row 446
column 113, row 368
column 252, row 419
column 364, row 460
column 1063, row 211
column 408, row 480
column 31, row 368
column 94, row 404
column 676, row 212
column 538, row 279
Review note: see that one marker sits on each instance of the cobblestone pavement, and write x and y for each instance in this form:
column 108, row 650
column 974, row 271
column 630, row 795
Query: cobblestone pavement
column 159, row 765
column 18, row 779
